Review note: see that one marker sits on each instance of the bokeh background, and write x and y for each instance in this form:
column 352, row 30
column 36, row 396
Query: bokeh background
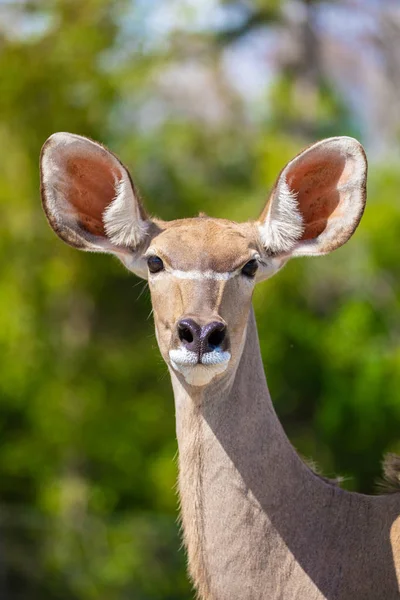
column 205, row 101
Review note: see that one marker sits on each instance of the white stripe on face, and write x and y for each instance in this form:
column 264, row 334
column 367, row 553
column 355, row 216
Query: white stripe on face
column 201, row 275
column 208, row 274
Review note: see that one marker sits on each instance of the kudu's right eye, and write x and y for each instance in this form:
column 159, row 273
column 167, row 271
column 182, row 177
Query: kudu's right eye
column 155, row 264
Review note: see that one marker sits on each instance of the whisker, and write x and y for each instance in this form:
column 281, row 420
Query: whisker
column 143, row 290
column 138, row 283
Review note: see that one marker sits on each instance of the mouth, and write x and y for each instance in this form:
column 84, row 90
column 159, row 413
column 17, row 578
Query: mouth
column 199, row 370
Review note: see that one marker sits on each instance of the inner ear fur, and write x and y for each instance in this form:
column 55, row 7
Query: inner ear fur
column 88, row 195
column 318, row 199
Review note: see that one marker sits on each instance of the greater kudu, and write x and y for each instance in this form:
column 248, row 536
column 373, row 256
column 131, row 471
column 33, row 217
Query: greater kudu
column 258, row 523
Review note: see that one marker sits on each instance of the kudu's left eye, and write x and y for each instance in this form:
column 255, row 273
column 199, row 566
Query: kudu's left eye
column 250, row 268
column 155, row 264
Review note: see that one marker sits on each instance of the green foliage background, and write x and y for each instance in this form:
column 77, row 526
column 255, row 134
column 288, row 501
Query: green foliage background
column 87, row 502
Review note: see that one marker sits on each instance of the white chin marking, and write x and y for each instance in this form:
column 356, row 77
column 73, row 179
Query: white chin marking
column 212, row 363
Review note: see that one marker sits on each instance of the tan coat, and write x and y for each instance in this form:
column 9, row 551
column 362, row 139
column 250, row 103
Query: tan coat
column 258, row 524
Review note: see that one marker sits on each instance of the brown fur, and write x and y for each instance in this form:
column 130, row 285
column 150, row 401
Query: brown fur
column 215, row 239
column 390, row 484
column 263, row 525
column 258, row 523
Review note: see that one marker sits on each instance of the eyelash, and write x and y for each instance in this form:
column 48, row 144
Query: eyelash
column 250, row 268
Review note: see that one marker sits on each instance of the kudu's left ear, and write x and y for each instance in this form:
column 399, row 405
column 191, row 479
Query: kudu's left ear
column 318, row 200
column 90, row 200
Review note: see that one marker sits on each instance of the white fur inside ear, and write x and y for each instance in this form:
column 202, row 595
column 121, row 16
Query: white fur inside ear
column 122, row 220
column 332, row 169
column 283, row 226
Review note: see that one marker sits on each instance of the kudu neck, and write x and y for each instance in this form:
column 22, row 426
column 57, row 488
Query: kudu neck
column 239, row 412
column 257, row 522
column 240, row 480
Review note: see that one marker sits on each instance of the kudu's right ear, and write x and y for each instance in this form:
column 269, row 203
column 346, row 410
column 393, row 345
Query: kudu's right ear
column 90, row 200
column 317, row 202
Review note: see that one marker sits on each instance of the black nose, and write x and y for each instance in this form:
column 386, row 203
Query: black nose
column 201, row 339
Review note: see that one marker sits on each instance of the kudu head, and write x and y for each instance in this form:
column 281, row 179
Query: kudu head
column 202, row 271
